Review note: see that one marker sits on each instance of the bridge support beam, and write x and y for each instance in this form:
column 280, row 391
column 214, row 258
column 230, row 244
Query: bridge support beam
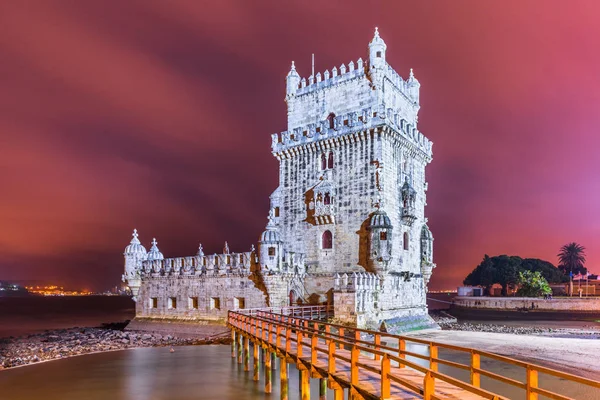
column 283, row 374
column 246, row 354
column 322, row 388
column 239, row 348
column 256, row 360
column 233, row 337
column 268, row 371
column 304, row 384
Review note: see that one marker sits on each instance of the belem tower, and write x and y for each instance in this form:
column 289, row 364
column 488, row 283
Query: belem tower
column 346, row 224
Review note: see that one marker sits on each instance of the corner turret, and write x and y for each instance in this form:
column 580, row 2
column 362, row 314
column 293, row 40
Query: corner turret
column 134, row 254
column 270, row 250
column 380, row 240
column 377, row 49
column 154, row 253
column 292, row 81
column 414, row 87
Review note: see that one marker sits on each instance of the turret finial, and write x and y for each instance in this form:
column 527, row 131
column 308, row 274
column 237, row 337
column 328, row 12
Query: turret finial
column 412, row 75
column 293, row 66
column 376, row 32
column 135, row 234
column 226, row 248
column 154, row 242
column 200, row 251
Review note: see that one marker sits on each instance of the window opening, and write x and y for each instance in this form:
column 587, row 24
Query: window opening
column 327, row 240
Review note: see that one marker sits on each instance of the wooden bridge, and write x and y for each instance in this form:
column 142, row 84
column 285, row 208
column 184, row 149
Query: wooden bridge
column 364, row 362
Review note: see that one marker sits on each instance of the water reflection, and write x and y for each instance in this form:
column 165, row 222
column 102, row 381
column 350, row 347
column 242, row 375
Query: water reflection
column 193, row 372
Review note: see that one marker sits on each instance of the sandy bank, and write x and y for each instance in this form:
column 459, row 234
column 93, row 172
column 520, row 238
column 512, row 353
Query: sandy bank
column 577, row 356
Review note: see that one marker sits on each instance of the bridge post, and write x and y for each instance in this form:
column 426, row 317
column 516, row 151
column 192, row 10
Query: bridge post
column 385, row 378
column 341, row 333
column 377, row 348
column 268, row 372
column 322, row 388
column 401, row 351
column 233, row 338
column 246, row 354
column 338, row 394
column 239, row 348
column 354, row 353
column 273, row 362
column 428, row 386
column 433, row 355
column 283, row 375
column 475, row 364
column 255, row 360
column 532, row 382
column 304, row 384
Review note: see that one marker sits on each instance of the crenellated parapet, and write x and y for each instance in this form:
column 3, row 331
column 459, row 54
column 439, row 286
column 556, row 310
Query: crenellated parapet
column 200, row 265
column 349, row 124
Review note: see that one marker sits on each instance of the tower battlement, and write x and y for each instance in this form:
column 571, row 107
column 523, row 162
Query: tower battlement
column 352, row 123
column 370, row 84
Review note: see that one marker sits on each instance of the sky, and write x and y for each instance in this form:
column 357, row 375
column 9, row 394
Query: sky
column 157, row 115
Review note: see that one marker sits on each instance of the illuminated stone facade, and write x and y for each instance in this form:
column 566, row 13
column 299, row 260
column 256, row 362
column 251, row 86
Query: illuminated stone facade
column 346, row 223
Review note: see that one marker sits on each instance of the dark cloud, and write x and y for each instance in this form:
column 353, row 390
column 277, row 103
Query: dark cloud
column 158, row 115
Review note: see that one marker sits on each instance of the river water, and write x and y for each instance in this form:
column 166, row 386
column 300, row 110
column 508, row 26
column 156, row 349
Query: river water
column 191, row 372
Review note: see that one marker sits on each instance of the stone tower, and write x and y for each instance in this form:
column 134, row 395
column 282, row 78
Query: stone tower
column 352, row 142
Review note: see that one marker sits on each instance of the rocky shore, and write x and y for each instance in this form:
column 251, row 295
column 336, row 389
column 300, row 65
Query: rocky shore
column 448, row 322
column 62, row 343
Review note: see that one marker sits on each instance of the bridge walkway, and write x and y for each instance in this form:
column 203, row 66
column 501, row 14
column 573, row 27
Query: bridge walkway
column 364, row 363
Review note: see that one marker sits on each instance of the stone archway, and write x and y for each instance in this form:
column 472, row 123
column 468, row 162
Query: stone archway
column 293, row 297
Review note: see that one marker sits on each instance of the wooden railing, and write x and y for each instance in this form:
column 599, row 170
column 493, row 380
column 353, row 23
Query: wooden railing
column 282, row 328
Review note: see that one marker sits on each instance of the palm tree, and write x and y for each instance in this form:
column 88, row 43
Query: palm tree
column 571, row 259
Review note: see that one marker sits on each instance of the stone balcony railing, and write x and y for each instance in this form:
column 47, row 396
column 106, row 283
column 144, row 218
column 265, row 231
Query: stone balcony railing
column 357, row 281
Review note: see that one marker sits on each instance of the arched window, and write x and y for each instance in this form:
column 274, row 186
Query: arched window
column 276, row 212
column 327, row 240
column 327, row 199
column 323, row 161
column 383, row 235
column 330, row 160
column 331, row 120
column 405, row 240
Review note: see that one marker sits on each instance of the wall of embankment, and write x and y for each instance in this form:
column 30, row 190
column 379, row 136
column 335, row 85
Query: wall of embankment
column 526, row 308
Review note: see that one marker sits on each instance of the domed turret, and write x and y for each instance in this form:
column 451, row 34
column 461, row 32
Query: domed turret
column 380, row 240
column 135, row 247
column 292, row 81
column 377, row 49
column 270, row 235
column 154, row 253
column 269, row 246
column 379, row 219
column 134, row 254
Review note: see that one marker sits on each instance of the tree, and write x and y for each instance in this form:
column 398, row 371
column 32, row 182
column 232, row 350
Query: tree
column 499, row 269
column 532, row 284
column 547, row 269
column 572, row 259
column 505, row 270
